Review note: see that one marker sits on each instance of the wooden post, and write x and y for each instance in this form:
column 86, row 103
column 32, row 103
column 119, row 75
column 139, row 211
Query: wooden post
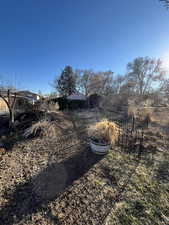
column 133, row 123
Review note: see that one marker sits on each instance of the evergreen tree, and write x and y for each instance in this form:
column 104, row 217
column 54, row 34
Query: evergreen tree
column 66, row 83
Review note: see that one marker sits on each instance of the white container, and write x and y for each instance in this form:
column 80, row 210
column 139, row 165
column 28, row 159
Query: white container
column 98, row 148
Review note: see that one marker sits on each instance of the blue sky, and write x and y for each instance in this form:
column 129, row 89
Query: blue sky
column 39, row 37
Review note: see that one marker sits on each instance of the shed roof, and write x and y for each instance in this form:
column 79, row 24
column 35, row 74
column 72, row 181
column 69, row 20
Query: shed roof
column 76, row 96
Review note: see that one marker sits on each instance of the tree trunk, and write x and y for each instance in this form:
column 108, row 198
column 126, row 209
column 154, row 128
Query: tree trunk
column 11, row 107
column 11, row 118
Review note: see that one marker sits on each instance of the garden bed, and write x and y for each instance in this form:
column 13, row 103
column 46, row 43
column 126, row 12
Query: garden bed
column 60, row 181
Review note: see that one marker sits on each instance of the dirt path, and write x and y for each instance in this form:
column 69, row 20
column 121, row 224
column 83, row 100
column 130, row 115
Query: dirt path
column 60, row 181
column 42, row 180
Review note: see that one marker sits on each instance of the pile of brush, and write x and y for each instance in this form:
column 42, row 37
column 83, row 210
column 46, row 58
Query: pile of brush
column 42, row 128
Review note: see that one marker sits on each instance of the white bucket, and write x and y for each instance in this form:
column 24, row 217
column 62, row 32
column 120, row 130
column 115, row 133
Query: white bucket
column 99, row 149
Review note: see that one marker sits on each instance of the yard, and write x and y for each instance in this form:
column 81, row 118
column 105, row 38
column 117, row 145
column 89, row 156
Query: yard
column 60, row 181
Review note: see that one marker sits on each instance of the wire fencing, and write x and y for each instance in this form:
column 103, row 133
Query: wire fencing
column 130, row 138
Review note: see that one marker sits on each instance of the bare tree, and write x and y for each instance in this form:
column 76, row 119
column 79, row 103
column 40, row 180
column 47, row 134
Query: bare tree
column 9, row 98
column 89, row 82
column 83, row 79
column 144, row 74
column 103, row 82
column 164, row 88
column 166, row 3
column 118, row 84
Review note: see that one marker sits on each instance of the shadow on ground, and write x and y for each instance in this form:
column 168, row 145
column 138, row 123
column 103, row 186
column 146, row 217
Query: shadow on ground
column 29, row 197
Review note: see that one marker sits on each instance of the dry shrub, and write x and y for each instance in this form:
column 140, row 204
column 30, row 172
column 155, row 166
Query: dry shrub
column 107, row 103
column 145, row 114
column 160, row 134
column 132, row 110
column 155, row 133
column 114, row 102
column 104, row 132
column 148, row 118
column 42, row 129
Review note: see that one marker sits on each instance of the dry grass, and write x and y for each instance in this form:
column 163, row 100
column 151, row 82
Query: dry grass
column 42, row 129
column 145, row 113
column 132, row 110
column 141, row 113
column 104, row 131
column 144, row 200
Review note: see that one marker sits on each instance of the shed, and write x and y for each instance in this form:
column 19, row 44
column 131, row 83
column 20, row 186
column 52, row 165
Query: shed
column 77, row 96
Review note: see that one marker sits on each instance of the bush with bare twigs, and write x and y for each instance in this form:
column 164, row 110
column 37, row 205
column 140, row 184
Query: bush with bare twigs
column 145, row 114
column 104, row 132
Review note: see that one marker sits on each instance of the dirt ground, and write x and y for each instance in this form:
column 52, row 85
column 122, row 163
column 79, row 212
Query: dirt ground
column 59, row 181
